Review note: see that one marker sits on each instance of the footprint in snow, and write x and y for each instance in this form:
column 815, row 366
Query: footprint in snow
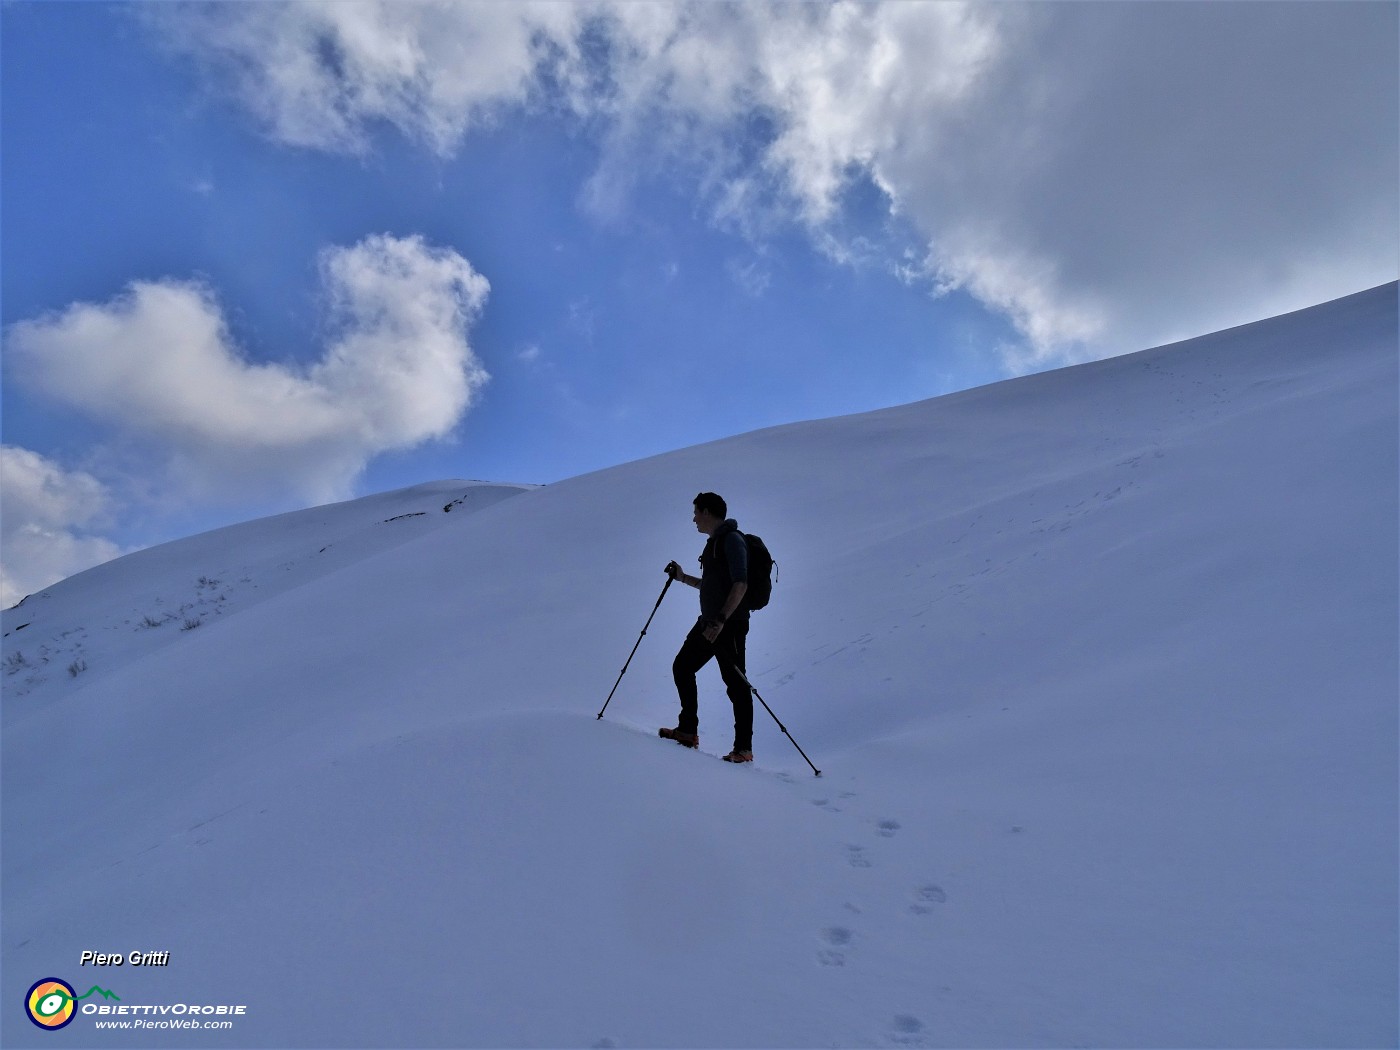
column 907, row 1030
column 887, row 828
column 926, row 897
column 855, row 856
column 836, row 939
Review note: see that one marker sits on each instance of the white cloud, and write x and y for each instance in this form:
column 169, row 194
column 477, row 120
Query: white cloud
column 1107, row 176
column 1131, row 174
column 158, row 363
column 323, row 73
column 43, row 523
column 751, row 276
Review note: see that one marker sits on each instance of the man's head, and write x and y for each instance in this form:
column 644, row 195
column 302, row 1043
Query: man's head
column 710, row 512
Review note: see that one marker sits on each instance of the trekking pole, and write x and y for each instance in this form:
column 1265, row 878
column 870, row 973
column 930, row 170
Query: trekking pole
column 669, row 581
column 764, row 702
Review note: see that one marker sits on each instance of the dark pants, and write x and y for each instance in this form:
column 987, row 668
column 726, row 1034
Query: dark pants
column 728, row 649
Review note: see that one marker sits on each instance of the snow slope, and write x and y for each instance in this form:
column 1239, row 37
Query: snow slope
column 1100, row 667
column 127, row 609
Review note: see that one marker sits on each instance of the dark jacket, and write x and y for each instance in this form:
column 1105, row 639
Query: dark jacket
column 723, row 563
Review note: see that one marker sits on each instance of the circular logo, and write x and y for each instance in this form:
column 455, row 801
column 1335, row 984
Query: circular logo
column 50, row 1003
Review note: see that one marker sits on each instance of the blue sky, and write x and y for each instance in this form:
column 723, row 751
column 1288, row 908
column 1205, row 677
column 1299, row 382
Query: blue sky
column 257, row 256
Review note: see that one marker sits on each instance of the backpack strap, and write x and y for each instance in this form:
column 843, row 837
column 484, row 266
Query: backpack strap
column 716, row 550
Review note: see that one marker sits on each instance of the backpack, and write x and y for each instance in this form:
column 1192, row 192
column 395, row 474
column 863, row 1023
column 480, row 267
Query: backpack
column 760, row 573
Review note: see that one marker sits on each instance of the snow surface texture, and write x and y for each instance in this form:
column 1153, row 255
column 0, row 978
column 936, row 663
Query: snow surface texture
column 1100, row 667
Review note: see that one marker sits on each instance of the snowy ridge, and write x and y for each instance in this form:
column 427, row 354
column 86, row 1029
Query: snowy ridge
column 1100, row 666
column 183, row 585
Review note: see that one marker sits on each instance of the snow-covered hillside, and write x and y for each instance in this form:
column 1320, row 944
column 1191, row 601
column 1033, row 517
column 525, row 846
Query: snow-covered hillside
column 1100, row 667
column 129, row 608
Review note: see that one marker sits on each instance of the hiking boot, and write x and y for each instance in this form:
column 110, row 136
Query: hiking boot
column 684, row 739
column 739, row 756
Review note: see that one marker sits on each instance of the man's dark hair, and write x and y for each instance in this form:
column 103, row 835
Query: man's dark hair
column 712, row 503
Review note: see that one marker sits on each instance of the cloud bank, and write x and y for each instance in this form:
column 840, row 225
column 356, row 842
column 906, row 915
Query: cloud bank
column 1106, row 176
column 158, row 363
column 43, row 523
